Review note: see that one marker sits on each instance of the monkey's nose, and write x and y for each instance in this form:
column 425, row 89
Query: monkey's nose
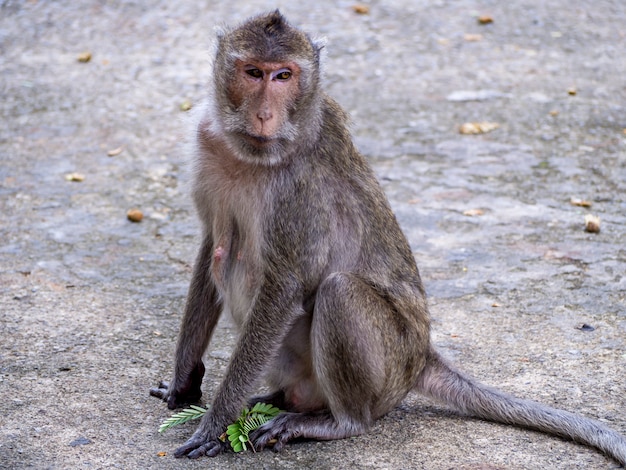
column 264, row 116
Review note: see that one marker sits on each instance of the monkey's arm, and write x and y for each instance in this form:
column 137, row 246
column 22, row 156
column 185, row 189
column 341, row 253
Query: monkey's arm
column 202, row 312
column 268, row 321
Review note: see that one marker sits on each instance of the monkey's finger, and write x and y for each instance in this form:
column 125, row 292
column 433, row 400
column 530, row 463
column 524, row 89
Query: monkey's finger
column 278, row 444
column 187, row 447
column 159, row 393
column 196, row 448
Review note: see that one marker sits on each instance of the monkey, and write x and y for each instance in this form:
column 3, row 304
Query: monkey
column 301, row 247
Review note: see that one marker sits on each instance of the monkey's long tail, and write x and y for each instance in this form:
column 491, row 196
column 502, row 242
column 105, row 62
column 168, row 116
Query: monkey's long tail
column 442, row 382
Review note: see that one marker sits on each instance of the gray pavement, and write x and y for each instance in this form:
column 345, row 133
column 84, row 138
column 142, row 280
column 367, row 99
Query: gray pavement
column 90, row 302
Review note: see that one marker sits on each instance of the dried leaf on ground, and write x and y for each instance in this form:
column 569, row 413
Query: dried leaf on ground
column 361, row 9
column 470, row 128
column 76, row 177
column 574, row 201
column 473, row 212
column 115, row 152
column 84, row 57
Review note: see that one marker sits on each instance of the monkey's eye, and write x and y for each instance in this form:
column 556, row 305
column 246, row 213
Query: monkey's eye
column 283, row 75
column 254, row 72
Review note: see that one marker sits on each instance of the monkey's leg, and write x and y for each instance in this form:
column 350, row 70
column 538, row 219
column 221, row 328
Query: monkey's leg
column 202, row 312
column 353, row 361
column 276, row 399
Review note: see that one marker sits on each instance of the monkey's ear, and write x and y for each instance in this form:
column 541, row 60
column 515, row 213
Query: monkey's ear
column 318, row 44
column 220, row 31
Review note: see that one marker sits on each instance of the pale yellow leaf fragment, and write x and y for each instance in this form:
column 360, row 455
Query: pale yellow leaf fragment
column 473, row 37
column 473, row 212
column 574, row 201
column 470, row 128
column 84, row 57
column 76, row 177
column 115, row 152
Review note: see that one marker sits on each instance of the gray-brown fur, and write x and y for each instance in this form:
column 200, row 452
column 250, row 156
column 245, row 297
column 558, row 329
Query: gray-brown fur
column 301, row 247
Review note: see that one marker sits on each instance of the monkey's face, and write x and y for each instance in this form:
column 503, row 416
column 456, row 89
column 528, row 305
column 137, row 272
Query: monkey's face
column 266, row 76
column 262, row 97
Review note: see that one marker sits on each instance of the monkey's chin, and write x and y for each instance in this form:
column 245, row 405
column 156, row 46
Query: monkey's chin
column 259, row 141
column 260, row 150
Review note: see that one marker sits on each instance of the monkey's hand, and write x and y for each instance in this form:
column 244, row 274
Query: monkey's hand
column 183, row 390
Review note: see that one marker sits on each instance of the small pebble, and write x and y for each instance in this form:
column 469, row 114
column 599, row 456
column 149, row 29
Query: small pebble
column 134, row 215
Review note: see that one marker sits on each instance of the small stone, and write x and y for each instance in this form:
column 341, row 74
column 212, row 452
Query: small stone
column 134, row 215
column 81, row 441
column 592, row 223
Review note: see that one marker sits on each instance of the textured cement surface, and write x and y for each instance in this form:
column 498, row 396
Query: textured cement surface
column 90, row 303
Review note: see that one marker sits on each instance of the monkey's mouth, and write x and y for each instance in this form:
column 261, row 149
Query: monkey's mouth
column 258, row 140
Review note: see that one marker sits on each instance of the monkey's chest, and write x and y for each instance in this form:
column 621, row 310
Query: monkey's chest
column 235, row 268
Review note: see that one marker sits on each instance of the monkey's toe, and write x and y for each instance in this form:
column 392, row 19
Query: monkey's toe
column 161, row 391
column 197, row 447
column 276, row 433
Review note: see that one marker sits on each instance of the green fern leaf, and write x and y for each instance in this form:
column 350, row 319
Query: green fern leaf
column 238, row 433
column 249, row 420
column 188, row 414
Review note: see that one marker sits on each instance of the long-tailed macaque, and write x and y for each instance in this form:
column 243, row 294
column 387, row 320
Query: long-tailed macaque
column 301, row 247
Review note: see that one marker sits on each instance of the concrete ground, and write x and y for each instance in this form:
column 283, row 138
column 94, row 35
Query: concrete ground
column 90, row 302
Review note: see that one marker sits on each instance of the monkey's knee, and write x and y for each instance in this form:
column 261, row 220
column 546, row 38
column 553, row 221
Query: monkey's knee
column 347, row 297
column 335, row 291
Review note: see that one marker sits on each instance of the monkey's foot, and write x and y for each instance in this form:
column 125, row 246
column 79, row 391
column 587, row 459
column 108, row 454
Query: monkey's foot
column 319, row 425
column 277, row 432
column 198, row 446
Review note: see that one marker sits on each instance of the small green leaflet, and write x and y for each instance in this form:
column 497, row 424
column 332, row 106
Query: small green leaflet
column 250, row 419
column 193, row 412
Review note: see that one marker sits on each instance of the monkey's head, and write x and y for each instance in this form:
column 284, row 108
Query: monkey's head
column 266, row 83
